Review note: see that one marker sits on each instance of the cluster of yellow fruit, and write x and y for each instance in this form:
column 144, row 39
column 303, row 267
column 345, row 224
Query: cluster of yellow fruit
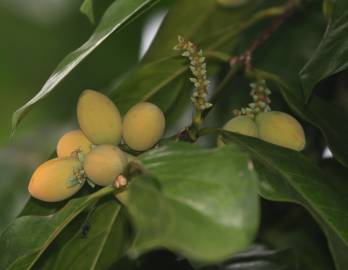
column 92, row 152
column 274, row 127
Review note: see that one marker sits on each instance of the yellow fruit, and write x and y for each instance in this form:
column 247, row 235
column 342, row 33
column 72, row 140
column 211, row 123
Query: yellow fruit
column 143, row 126
column 240, row 124
column 281, row 129
column 71, row 142
column 104, row 163
column 99, row 118
column 232, row 3
column 53, row 180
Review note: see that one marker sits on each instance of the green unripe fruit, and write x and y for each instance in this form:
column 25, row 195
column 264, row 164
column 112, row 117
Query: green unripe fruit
column 104, row 163
column 71, row 142
column 281, row 129
column 240, row 124
column 143, row 126
column 232, row 3
column 56, row 179
column 99, row 118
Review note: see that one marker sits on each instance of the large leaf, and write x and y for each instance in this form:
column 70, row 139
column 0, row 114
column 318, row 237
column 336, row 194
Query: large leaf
column 287, row 175
column 103, row 243
column 199, row 202
column 326, row 117
column 330, row 57
column 116, row 16
column 20, row 249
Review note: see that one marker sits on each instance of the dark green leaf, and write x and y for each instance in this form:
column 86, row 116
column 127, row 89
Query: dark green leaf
column 199, row 202
column 24, row 241
column 330, row 57
column 159, row 82
column 290, row 176
column 116, row 16
column 100, row 242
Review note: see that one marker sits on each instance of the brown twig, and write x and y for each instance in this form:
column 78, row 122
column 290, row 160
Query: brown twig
column 247, row 56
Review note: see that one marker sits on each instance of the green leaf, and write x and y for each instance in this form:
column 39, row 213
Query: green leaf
column 330, row 57
column 24, row 241
column 116, row 16
column 87, row 9
column 199, row 202
column 159, row 81
column 326, row 117
column 287, row 175
column 106, row 239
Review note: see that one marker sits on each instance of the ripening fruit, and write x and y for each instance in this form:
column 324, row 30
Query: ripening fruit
column 232, row 3
column 99, row 118
column 281, row 129
column 71, row 142
column 240, row 124
column 56, row 179
column 143, row 126
column 104, row 163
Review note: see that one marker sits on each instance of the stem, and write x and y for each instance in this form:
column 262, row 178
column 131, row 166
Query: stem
column 246, row 57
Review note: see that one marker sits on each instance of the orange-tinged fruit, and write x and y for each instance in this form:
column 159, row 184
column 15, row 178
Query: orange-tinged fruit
column 243, row 124
column 71, row 142
column 143, row 125
column 53, row 180
column 99, row 118
column 281, row 129
column 104, row 163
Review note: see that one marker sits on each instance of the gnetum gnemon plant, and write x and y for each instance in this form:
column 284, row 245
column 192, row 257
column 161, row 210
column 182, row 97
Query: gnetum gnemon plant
column 239, row 185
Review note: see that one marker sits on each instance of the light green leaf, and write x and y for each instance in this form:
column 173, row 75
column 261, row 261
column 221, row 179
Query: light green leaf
column 199, row 202
column 115, row 17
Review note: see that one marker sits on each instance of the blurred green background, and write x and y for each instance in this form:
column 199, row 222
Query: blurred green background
column 36, row 35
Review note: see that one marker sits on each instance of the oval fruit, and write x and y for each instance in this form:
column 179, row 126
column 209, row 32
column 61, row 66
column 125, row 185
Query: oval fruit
column 232, row 3
column 71, row 142
column 104, row 163
column 143, row 125
column 99, row 118
column 281, row 129
column 240, row 124
column 53, row 181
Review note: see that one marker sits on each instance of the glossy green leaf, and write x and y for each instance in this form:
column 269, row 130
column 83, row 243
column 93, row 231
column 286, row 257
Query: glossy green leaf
column 330, row 57
column 87, row 9
column 20, row 249
column 199, row 202
column 101, row 241
column 326, row 117
column 287, row 175
column 116, row 16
